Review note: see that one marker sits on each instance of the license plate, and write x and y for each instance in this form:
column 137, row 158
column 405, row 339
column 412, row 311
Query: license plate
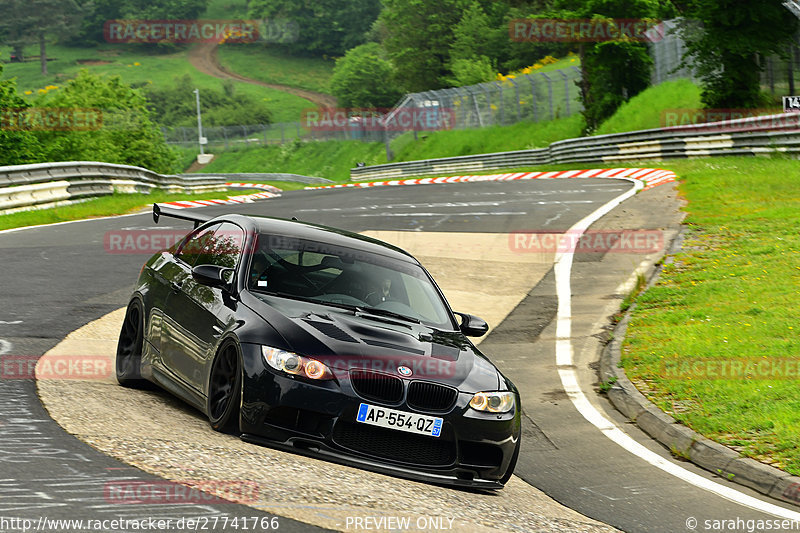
column 401, row 420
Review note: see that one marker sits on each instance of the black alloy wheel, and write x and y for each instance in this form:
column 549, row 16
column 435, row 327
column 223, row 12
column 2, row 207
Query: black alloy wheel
column 224, row 390
column 129, row 347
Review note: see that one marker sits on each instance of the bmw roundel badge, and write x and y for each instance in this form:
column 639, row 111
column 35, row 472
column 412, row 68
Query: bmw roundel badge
column 404, row 371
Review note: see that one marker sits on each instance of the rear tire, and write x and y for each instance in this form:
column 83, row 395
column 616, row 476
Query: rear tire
column 224, row 390
column 129, row 348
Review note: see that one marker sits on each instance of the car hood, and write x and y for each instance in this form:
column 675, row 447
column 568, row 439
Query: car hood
column 344, row 340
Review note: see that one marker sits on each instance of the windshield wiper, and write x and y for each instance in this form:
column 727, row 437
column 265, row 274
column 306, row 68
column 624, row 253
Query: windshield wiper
column 312, row 300
column 384, row 312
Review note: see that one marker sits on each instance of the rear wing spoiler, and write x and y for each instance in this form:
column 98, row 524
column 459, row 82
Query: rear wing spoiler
column 195, row 218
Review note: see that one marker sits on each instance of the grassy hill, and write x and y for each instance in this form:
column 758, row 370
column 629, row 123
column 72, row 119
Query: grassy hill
column 645, row 110
column 331, row 159
column 135, row 65
column 265, row 64
column 138, row 65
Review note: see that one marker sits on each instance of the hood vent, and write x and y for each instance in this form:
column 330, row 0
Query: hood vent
column 331, row 330
column 449, row 353
column 391, row 346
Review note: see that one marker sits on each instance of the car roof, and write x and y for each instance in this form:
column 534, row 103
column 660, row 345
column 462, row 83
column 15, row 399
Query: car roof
column 318, row 233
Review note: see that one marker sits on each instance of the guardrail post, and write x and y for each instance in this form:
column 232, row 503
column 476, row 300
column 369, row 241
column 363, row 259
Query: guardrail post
column 516, row 96
column 577, row 76
column 462, row 107
column 549, row 93
column 488, row 101
column 533, row 97
column 477, row 109
column 502, row 105
column 566, row 91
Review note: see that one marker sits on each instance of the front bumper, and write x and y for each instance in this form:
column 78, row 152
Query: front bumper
column 319, row 419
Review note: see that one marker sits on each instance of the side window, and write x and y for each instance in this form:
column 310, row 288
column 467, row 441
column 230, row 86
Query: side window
column 224, row 248
column 193, row 247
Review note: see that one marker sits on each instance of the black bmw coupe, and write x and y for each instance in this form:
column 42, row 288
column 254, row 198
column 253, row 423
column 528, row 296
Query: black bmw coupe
column 322, row 342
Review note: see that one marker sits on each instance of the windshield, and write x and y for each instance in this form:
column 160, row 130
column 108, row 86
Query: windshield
column 346, row 277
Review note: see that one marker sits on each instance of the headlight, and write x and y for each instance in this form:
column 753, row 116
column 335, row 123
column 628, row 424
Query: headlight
column 493, row 402
column 294, row 364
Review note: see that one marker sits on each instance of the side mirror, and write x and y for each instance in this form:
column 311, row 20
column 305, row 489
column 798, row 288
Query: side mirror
column 211, row 275
column 472, row 326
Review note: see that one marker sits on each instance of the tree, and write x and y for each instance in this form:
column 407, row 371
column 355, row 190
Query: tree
column 127, row 136
column 471, row 71
column 418, row 37
column 327, row 27
column 28, row 21
column 16, row 147
column 612, row 71
column 365, row 78
column 164, row 9
column 175, row 105
column 470, row 51
column 728, row 50
column 471, row 34
column 98, row 12
column 617, row 71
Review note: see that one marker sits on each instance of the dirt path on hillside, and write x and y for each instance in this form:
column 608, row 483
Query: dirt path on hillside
column 204, row 58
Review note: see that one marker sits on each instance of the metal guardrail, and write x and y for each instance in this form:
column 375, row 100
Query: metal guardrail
column 771, row 134
column 265, row 176
column 24, row 187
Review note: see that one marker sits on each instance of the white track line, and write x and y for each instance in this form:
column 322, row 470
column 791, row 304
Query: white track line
column 569, row 378
column 5, row 347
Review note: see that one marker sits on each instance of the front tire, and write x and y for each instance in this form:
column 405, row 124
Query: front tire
column 129, row 348
column 224, row 390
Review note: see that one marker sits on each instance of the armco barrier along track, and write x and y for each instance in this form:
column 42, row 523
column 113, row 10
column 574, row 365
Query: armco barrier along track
column 24, row 187
column 748, row 136
column 51, row 184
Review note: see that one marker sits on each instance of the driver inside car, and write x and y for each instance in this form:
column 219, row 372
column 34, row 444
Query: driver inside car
column 383, row 293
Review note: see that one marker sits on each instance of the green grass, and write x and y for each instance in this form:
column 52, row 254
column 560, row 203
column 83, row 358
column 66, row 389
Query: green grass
column 158, row 69
column 731, row 294
column 641, row 112
column 114, row 204
column 645, row 110
column 265, row 64
column 334, row 159
column 329, row 159
column 520, row 136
